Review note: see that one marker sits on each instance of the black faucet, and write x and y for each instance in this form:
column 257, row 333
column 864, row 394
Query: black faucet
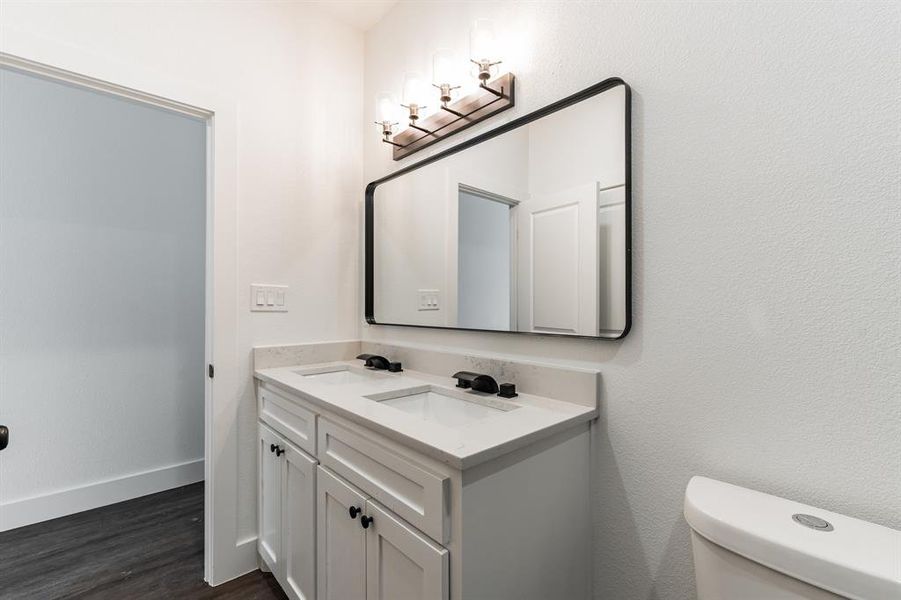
column 380, row 363
column 477, row 381
column 484, row 383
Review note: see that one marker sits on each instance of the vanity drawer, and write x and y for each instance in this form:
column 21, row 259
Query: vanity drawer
column 411, row 491
column 288, row 418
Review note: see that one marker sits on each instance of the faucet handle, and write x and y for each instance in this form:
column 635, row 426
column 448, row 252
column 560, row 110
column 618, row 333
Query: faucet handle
column 508, row 390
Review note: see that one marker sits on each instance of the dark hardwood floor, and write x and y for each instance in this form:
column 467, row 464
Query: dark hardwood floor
column 150, row 547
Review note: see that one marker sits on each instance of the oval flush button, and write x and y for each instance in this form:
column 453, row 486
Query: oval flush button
column 812, row 522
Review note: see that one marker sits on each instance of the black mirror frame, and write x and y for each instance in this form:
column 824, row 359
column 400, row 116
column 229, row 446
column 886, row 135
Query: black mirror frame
column 369, row 242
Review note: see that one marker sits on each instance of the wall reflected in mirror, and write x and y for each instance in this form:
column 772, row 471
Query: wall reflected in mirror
column 523, row 232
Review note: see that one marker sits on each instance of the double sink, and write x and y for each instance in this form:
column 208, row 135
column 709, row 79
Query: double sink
column 437, row 404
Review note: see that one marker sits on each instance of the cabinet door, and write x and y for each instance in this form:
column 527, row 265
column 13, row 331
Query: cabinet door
column 298, row 575
column 401, row 563
column 270, row 498
column 341, row 540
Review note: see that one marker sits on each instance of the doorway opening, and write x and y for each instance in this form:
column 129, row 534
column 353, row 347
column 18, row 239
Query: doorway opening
column 486, row 260
column 105, row 293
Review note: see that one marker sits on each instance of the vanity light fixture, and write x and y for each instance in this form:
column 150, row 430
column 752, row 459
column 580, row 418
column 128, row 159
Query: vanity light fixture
column 489, row 98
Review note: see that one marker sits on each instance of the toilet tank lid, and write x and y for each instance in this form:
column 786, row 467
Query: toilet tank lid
column 856, row 559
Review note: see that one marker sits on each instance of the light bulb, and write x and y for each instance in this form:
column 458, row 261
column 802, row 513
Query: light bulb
column 415, row 92
column 483, row 49
column 387, row 114
column 415, row 96
column 482, row 41
column 386, row 108
column 444, row 67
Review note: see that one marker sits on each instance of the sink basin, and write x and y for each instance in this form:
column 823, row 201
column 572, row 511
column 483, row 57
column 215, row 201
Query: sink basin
column 447, row 407
column 341, row 375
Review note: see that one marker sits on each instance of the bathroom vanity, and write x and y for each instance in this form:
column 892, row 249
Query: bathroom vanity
column 398, row 486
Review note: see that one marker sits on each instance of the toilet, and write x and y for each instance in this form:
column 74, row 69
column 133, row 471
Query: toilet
column 748, row 545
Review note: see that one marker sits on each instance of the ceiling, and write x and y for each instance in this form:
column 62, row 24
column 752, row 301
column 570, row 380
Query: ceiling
column 361, row 14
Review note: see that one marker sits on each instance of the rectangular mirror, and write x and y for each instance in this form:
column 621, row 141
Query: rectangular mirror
column 524, row 229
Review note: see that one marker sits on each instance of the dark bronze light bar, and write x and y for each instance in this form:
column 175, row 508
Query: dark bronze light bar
column 490, row 99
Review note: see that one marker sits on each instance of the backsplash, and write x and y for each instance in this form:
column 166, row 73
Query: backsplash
column 270, row 357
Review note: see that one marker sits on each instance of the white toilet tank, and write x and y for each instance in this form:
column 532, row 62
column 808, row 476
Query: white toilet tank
column 752, row 546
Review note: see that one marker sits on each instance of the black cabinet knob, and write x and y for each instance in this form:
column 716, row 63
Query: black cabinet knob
column 272, row 447
column 366, row 521
column 354, row 511
column 279, row 451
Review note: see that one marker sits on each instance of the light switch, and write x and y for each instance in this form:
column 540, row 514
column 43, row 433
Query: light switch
column 268, row 298
column 429, row 299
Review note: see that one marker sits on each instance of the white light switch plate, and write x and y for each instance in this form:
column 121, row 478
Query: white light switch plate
column 268, row 298
column 429, row 299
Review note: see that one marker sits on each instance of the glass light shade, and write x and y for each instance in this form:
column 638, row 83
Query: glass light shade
column 386, row 108
column 415, row 90
column 482, row 41
column 445, row 68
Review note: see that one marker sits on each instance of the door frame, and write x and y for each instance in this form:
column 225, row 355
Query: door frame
column 225, row 556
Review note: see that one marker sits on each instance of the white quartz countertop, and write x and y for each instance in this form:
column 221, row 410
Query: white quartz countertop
column 533, row 417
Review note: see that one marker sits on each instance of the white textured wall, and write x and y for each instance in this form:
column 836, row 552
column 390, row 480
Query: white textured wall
column 294, row 77
column 767, row 245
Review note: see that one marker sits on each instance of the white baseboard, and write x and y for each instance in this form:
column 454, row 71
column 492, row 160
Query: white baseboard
column 93, row 495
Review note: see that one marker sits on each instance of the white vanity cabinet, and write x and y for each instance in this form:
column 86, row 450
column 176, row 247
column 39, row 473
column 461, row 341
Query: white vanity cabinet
column 270, row 499
column 368, row 553
column 401, row 562
column 287, row 514
column 299, row 525
column 340, row 539
column 360, row 515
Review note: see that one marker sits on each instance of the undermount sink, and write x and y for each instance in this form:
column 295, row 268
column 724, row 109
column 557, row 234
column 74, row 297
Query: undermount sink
column 341, row 375
column 447, row 407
